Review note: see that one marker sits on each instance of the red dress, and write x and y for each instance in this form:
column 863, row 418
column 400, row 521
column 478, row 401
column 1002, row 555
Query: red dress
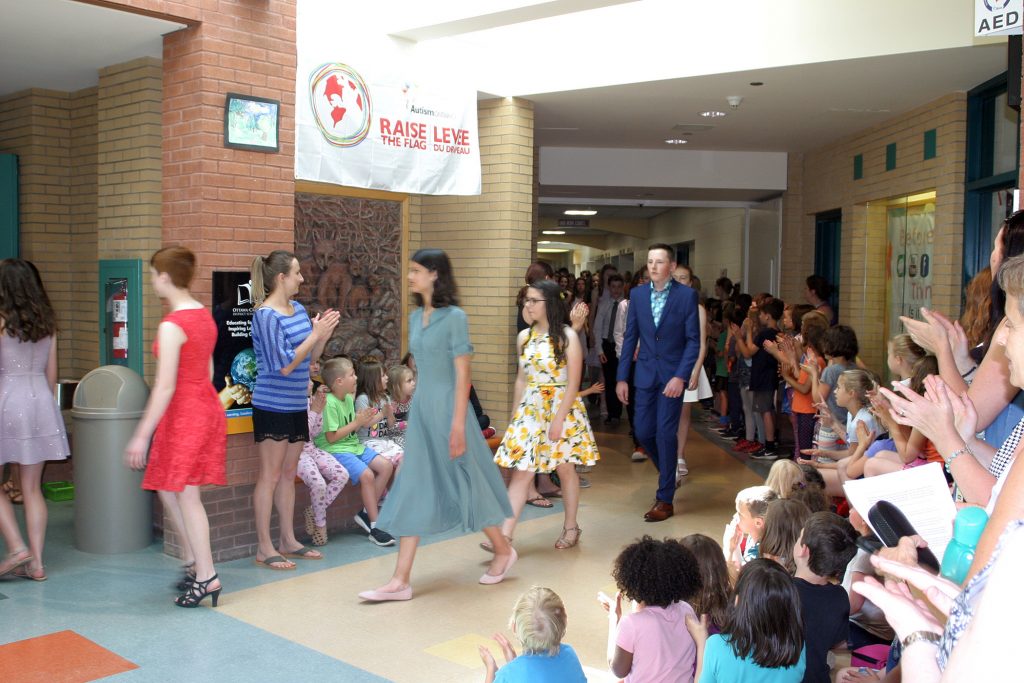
column 190, row 444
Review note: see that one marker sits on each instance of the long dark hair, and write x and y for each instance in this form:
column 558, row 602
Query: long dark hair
column 25, row 308
column 554, row 309
column 446, row 292
column 538, row 270
column 716, row 587
column 1013, row 245
column 765, row 623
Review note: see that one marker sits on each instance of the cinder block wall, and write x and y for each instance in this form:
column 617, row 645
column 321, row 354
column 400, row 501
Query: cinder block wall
column 489, row 238
column 822, row 180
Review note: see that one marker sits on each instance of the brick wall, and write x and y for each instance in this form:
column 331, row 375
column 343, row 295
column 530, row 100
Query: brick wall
column 489, row 238
column 827, row 183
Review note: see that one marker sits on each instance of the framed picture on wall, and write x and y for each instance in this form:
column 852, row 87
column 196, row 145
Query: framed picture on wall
column 251, row 123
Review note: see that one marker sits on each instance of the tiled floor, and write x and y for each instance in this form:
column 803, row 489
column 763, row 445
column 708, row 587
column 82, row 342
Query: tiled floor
column 309, row 625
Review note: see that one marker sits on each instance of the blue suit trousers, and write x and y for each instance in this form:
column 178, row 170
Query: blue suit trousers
column 656, row 428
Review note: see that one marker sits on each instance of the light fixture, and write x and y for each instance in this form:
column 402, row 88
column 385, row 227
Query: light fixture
column 712, row 114
column 544, row 242
column 553, row 232
column 580, row 212
column 676, row 141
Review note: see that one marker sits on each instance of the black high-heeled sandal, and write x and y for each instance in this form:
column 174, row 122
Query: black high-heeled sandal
column 195, row 593
column 189, row 578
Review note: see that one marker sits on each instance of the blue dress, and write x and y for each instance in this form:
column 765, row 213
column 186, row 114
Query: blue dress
column 432, row 493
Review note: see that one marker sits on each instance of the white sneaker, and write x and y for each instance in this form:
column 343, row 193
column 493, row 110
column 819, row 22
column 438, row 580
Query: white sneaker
column 638, row 456
column 681, row 469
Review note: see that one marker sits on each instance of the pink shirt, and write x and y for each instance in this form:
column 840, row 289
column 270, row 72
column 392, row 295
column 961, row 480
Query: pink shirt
column 663, row 651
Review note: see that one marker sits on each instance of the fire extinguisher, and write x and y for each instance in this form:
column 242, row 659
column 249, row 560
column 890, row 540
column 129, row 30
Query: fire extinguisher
column 119, row 306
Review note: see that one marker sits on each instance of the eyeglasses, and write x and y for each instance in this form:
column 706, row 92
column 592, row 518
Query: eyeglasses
column 530, row 302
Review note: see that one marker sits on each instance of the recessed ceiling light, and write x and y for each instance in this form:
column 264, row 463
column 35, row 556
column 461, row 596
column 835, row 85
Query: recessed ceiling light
column 756, row 83
column 544, row 242
column 714, row 114
column 581, row 212
column 676, row 141
column 553, row 232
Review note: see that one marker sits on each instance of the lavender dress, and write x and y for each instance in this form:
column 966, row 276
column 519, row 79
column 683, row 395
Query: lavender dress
column 31, row 427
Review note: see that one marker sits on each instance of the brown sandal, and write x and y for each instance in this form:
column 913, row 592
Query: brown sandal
column 564, row 543
column 13, row 492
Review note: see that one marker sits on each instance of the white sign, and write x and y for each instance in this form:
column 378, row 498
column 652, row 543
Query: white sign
column 998, row 17
column 363, row 119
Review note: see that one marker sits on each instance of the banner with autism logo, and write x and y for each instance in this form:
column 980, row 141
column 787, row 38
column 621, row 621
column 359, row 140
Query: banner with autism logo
column 361, row 130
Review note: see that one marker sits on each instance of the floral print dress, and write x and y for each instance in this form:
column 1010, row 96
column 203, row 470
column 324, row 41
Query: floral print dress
column 526, row 445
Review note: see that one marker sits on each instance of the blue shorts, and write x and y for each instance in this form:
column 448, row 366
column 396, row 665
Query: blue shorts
column 354, row 464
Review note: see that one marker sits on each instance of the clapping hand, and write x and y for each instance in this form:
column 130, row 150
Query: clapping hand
column 324, row 323
column 488, row 658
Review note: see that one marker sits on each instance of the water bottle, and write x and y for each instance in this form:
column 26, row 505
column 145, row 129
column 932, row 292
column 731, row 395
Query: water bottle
column 967, row 528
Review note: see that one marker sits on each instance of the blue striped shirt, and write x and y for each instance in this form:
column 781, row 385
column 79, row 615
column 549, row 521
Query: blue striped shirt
column 274, row 339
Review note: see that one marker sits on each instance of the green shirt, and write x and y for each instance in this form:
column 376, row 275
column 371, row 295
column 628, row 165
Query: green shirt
column 337, row 413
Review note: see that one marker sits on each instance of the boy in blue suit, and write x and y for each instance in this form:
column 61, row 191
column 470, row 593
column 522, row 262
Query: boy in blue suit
column 664, row 320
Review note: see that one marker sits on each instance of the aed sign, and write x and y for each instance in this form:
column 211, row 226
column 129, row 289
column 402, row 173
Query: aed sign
column 998, row 17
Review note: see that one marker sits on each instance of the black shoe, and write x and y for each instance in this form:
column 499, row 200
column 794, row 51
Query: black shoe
column 196, row 591
column 764, row 454
column 381, row 538
column 363, row 520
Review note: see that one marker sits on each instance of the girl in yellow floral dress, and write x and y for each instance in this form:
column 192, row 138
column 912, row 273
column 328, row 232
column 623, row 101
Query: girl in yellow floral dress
column 549, row 431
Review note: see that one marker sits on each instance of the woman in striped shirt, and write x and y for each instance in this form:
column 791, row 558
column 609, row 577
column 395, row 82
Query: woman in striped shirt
column 284, row 340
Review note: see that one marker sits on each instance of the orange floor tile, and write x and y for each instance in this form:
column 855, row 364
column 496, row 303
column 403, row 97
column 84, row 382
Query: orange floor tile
column 62, row 657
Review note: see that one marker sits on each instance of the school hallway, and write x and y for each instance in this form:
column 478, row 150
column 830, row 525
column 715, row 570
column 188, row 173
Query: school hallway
column 110, row 616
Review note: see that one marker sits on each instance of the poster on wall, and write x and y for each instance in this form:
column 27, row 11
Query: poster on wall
column 360, row 123
column 234, row 362
column 911, row 232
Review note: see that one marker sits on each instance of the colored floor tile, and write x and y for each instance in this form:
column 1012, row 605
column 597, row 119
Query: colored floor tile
column 62, row 657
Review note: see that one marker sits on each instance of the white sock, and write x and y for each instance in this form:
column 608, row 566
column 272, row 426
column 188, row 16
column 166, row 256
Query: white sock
column 373, row 525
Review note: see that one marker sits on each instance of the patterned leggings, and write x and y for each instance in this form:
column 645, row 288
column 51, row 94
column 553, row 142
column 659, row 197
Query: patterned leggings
column 325, row 478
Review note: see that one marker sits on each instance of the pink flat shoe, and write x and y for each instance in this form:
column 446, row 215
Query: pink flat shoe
column 490, row 579
column 381, row 596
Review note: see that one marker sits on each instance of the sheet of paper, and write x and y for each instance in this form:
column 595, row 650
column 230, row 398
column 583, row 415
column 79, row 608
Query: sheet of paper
column 921, row 493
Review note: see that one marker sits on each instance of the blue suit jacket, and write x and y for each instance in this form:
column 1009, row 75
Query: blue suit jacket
column 667, row 351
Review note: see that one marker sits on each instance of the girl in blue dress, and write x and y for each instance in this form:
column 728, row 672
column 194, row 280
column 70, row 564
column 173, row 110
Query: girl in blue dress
column 448, row 479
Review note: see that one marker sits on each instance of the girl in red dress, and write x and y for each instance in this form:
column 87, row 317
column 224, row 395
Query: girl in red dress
column 189, row 444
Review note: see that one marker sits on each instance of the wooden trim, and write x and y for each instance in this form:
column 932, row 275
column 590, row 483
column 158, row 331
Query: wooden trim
column 313, row 187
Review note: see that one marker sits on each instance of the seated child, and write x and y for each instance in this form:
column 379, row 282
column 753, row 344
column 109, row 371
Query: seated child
column 852, row 394
column 826, row 546
column 401, row 386
column 322, row 474
column 539, row 621
column 651, row 642
column 339, row 438
column 715, row 583
column 782, row 526
column 743, row 533
column 762, row 640
column 371, row 392
column 784, row 477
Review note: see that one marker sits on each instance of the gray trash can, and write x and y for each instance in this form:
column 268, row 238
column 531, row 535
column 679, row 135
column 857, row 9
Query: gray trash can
column 112, row 512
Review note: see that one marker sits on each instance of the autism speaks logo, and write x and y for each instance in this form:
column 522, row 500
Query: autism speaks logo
column 341, row 104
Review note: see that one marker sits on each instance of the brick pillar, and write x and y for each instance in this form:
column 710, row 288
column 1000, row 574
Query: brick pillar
column 489, row 239
column 227, row 205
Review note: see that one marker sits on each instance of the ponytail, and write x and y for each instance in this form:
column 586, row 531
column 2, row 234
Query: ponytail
column 264, row 272
column 256, row 276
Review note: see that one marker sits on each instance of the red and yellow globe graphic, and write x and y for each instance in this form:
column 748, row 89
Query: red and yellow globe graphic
column 341, row 104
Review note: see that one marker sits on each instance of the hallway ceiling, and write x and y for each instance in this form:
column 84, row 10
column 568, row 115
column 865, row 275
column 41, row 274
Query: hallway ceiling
column 61, row 44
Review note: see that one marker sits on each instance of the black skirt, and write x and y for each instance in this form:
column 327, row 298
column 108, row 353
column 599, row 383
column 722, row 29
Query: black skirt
column 267, row 424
